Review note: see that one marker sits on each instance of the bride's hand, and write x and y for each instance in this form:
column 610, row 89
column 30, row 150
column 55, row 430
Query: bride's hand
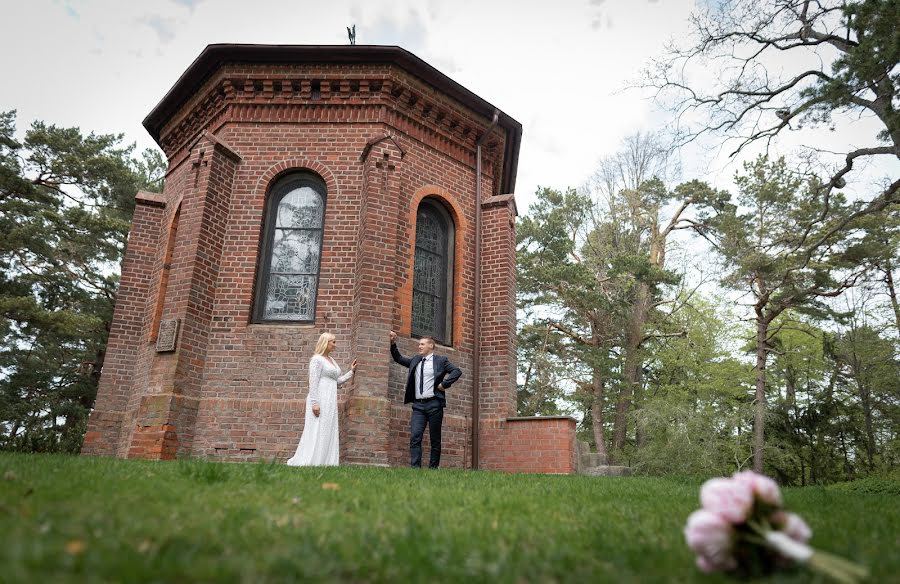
column 316, row 410
column 353, row 366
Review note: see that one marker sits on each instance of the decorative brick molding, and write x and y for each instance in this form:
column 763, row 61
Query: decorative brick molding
column 405, row 289
column 277, row 170
column 240, row 91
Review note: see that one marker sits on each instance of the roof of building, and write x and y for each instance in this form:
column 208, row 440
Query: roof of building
column 214, row 56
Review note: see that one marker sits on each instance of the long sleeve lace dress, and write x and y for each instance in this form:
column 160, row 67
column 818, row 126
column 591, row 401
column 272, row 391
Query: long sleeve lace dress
column 319, row 445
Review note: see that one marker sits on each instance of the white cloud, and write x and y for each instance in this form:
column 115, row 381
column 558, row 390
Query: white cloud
column 189, row 4
column 163, row 27
column 557, row 67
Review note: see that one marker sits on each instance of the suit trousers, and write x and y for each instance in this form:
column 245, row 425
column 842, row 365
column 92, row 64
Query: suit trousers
column 430, row 413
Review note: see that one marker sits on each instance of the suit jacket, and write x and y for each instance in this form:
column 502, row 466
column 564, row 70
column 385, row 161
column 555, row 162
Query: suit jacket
column 445, row 374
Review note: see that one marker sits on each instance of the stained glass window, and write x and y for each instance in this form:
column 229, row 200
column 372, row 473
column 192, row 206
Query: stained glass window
column 292, row 248
column 433, row 272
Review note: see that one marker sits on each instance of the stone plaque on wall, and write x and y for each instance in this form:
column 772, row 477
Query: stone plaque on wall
column 168, row 333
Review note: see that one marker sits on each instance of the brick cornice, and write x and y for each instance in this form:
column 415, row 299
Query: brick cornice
column 387, row 95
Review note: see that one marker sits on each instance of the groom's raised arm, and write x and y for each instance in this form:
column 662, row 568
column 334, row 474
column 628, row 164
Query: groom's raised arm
column 395, row 352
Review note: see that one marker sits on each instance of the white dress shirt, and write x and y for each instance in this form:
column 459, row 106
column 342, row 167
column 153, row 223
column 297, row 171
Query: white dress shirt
column 428, row 383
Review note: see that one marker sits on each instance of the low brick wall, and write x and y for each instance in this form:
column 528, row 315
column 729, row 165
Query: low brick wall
column 544, row 444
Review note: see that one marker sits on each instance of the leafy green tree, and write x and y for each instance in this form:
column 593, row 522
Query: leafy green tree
column 872, row 372
column 633, row 215
column 805, row 415
column 784, row 244
column 751, row 71
column 594, row 259
column 544, row 376
column 879, row 248
column 570, row 295
column 836, row 406
column 66, row 202
column 697, row 408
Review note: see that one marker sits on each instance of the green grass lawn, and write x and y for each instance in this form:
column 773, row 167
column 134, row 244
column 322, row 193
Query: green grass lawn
column 73, row 519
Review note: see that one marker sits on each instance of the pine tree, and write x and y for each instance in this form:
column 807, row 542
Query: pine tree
column 784, row 243
column 66, row 202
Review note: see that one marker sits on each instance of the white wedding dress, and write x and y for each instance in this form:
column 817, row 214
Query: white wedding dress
column 319, row 445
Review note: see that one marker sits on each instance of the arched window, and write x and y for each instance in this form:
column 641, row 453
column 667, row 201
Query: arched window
column 288, row 277
column 432, row 307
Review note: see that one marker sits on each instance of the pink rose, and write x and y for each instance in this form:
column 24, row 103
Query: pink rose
column 711, row 538
column 796, row 528
column 762, row 486
column 725, row 537
column 730, row 499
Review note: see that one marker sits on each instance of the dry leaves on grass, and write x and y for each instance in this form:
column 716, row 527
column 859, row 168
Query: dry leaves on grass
column 331, row 486
column 75, row 547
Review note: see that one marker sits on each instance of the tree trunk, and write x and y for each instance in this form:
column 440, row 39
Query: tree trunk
column 658, row 260
column 848, row 474
column 759, row 421
column 597, row 416
column 525, row 385
column 790, row 391
column 633, row 367
column 865, row 400
column 870, row 433
column 640, row 437
column 813, row 459
column 892, row 291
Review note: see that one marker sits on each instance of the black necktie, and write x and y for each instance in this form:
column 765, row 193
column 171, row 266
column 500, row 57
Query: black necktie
column 422, row 379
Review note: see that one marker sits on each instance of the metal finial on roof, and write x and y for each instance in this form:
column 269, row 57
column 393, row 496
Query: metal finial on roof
column 351, row 32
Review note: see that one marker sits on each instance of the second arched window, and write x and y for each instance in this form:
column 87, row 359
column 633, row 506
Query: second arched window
column 432, row 306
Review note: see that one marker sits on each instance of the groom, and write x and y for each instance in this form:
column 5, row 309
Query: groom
column 429, row 375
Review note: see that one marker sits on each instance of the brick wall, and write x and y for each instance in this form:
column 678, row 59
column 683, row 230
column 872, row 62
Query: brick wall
column 381, row 140
column 498, row 326
column 105, row 428
column 541, row 444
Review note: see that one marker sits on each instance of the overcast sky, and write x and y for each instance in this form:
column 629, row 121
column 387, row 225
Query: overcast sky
column 558, row 67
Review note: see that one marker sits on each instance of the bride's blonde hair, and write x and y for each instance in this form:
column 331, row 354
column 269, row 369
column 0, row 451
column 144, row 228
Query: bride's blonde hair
column 322, row 344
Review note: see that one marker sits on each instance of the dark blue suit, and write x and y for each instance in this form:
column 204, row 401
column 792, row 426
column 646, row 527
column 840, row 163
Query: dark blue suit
column 430, row 411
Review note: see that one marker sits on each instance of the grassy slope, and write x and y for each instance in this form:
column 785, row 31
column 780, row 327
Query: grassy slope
column 68, row 519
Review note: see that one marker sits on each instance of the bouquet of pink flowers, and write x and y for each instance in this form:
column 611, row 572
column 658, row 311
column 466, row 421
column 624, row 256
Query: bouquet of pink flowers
column 743, row 528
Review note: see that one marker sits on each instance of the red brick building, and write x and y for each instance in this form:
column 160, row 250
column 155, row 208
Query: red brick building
column 311, row 189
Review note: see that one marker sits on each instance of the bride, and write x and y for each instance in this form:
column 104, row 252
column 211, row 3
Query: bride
column 319, row 441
